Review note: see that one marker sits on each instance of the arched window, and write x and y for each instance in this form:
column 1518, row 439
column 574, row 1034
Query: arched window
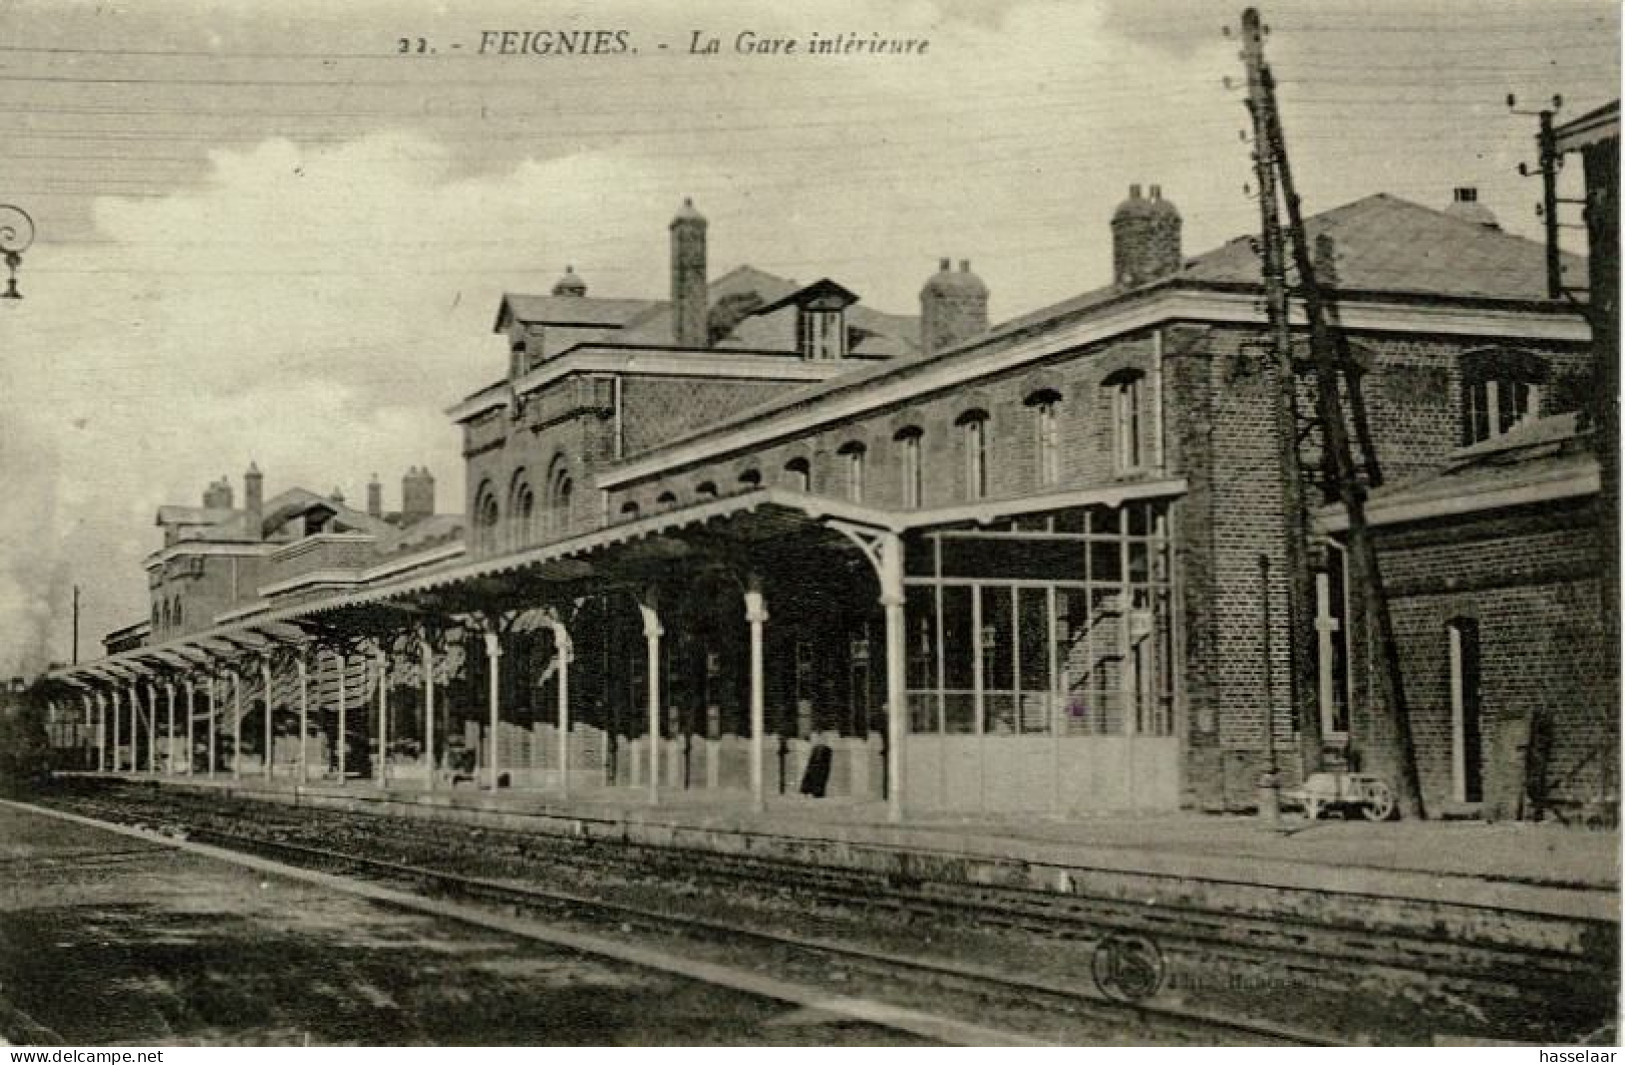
column 521, row 510
column 798, row 475
column 1500, row 388
column 750, row 479
column 666, row 500
column 157, row 618
column 706, row 490
column 973, row 430
column 908, row 440
column 853, row 456
column 1127, row 391
column 175, row 617
column 487, row 513
column 630, row 509
column 164, row 615
column 563, row 494
column 1045, row 405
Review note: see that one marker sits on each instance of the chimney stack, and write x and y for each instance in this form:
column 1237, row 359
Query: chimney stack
column 375, row 498
column 417, row 496
column 953, row 307
column 254, row 501
column 688, row 278
column 218, row 495
column 1145, row 239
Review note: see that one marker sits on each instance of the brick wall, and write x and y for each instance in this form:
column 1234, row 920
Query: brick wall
column 1528, row 579
column 1084, row 439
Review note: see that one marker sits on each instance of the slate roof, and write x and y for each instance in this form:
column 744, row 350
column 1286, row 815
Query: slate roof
column 648, row 322
column 570, row 310
column 1384, row 245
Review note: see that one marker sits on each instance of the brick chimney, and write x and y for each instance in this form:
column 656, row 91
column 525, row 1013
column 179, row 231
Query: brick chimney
column 953, row 307
column 688, row 278
column 1465, row 205
column 254, row 501
column 375, row 498
column 1145, row 239
column 417, row 495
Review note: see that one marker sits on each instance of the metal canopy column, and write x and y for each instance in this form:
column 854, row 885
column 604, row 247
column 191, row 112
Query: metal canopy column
column 236, row 724
column 426, row 652
column 152, row 727
column 214, row 713
column 493, row 658
column 304, row 714
column 892, row 599
column 169, row 739
column 191, row 714
column 265, row 677
column 344, row 736
column 565, row 650
column 651, row 635
column 884, row 550
column 101, row 732
column 756, row 616
column 383, row 716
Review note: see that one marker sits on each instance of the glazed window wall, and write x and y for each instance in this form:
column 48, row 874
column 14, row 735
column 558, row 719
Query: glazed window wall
column 1059, row 623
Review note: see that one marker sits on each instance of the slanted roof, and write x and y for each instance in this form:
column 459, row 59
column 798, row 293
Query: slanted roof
column 1385, row 246
column 174, row 514
column 1389, row 245
column 1596, row 125
column 822, row 291
column 566, row 310
column 1538, row 461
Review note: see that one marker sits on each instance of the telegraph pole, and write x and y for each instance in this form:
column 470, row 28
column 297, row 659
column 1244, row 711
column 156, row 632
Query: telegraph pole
column 76, row 624
column 1303, row 690
column 1364, row 573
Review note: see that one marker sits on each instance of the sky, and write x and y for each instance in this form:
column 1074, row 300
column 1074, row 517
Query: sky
column 265, row 234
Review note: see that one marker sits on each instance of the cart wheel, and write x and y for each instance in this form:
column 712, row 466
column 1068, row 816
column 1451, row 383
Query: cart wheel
column 1312, row 808
column 1379, row 804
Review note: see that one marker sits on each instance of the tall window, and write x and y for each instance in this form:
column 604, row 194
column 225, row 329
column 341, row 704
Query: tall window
column 487, row 514
column 1466, row 712
column 853, row 456
column 563, row 495
column 1500, row 388
column 175, row 619
column 973, row 430
column 1127, row 398
column 521, row 511
column 908, row 441
column 798, row 475
column 1047, row 435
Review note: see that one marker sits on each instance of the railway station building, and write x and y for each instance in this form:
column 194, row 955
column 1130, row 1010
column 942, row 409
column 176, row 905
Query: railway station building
column 757, row 539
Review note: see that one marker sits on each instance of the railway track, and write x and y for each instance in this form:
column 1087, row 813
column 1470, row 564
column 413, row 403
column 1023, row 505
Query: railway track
column 900, row 983
column 1336, row 964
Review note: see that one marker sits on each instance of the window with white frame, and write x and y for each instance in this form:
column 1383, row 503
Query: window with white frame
column 1047, row 435
column 973, row 430
column 908, row 441
column 853, row 457
column 1128, row 416
column 1500, row 388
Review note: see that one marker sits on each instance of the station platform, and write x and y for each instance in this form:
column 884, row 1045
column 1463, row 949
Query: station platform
column 1232, row 862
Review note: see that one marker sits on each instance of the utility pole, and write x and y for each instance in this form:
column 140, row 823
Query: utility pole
column 1303, row 690
column 1364, row 573
column 76, row 624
